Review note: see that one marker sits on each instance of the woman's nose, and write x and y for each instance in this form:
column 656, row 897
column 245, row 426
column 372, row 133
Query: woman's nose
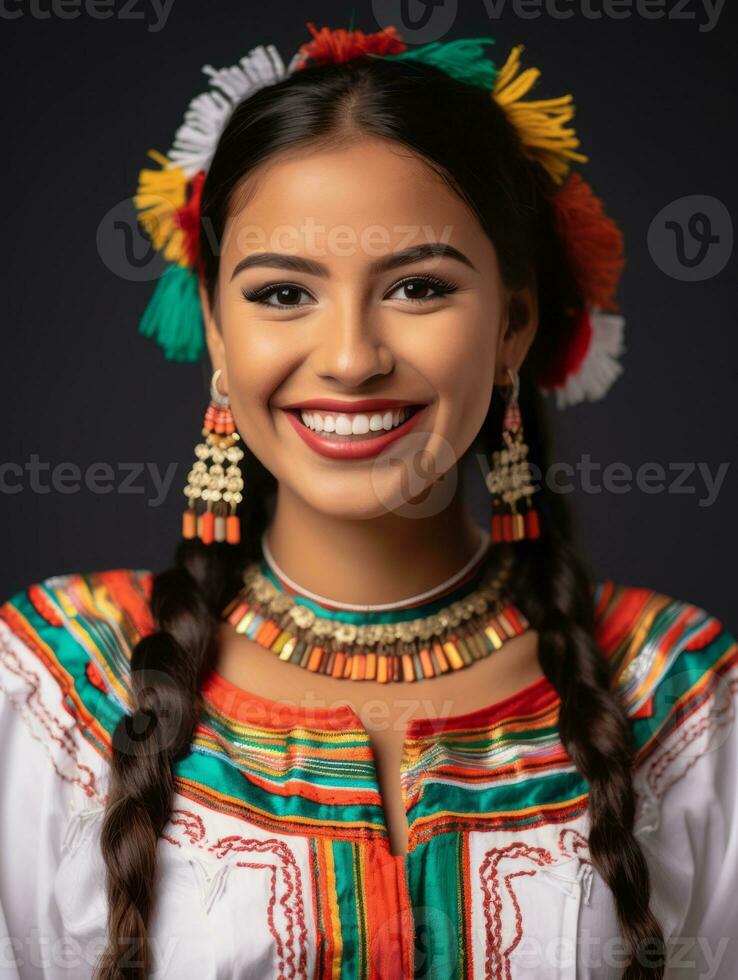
column 350, row 351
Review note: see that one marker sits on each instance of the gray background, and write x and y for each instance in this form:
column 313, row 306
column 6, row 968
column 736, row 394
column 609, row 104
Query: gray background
column 86, row 97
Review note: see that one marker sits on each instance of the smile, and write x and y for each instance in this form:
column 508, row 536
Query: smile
column 352, row 430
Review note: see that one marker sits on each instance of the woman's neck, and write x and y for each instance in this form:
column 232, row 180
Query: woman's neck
column 384, row 559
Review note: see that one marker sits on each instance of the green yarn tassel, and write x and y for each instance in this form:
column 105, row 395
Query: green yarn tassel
column 173, row 317
column 464, row 59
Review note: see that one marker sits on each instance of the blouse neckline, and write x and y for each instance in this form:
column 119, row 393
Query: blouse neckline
column 240, row 706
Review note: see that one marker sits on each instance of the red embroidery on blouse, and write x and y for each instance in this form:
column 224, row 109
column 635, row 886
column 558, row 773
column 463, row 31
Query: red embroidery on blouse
column 495, row 885
column 193, row 827
column 718, row 716
column 285, row 877
column 31, row 702
column 497, row 960
column 572, row 843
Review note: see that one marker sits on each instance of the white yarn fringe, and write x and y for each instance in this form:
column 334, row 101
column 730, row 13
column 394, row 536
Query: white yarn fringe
column 600, row 367
column 207, row 114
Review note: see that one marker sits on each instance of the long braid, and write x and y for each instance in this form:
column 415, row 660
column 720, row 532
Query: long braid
column 555, row 590
column 167, row 667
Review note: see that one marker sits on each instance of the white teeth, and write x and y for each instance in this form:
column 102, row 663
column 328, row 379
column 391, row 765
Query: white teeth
column 357, row 424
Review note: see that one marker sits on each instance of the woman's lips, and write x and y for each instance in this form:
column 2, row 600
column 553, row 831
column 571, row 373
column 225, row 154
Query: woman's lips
column 352, row 446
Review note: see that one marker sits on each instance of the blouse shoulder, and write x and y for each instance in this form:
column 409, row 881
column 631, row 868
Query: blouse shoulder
column 659, row 647
column 674, row 666
column 65, row 645
column 65, row 649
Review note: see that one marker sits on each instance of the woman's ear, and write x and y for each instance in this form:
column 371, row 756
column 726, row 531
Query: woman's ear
column 213, row 336
column 517, row 332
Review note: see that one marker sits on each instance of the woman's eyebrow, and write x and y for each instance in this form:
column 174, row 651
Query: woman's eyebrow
column 417, row 252
column 277, row 260
column 295, row 263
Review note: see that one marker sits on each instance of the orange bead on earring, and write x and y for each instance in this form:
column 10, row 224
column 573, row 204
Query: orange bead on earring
column 509, row 479
column 217, row 486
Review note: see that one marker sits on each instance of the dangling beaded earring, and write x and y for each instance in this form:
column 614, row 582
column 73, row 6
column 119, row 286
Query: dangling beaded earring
column 218, row 488
column 509, row 479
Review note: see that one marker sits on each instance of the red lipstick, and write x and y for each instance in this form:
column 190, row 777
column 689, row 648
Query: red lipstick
column 348, row 448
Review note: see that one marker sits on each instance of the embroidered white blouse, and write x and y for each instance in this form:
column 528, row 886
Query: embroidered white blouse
column 275, row 862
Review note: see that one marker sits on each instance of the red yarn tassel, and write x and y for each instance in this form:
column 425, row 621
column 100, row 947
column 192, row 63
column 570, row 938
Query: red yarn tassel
column 592, row 240
column 339, row 45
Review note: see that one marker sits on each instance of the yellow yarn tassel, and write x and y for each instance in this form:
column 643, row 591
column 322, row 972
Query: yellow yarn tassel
column 160, row 193
column 541, row 124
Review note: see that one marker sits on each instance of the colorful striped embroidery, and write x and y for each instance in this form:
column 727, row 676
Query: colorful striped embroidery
column 484, row 768
column 289, row 772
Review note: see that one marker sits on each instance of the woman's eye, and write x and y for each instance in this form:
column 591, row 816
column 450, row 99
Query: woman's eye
column 286, row 294
column 422, row 289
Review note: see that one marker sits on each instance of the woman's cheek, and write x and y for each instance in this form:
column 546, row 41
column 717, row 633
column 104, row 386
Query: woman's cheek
column 458, row 361
column 259, row 356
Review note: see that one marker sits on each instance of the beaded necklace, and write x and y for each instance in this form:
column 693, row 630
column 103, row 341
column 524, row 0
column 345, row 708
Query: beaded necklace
column 459, row 622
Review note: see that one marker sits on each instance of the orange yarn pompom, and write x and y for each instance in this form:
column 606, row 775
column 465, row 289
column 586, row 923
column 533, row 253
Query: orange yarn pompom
column 593, row 242
column 339, row 45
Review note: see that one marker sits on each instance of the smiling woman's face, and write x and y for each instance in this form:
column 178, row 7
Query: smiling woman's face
column 354, row 353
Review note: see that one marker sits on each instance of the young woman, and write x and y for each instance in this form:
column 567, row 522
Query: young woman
column 536, row 776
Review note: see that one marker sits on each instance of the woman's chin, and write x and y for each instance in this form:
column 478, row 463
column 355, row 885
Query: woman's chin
column 350, row 499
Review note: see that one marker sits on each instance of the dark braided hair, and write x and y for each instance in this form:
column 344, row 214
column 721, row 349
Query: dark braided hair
column 466, row 138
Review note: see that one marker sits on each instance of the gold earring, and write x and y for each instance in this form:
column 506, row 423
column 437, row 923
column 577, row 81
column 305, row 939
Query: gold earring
column 217, row 486
column 509, row 479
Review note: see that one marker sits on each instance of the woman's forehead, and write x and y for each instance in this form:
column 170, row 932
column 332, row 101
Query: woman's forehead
column 373, row 193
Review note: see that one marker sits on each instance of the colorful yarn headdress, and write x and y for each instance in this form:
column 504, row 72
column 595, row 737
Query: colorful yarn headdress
column 168, row 198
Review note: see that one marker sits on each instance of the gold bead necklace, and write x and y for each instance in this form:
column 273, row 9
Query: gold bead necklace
column 406, row 642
